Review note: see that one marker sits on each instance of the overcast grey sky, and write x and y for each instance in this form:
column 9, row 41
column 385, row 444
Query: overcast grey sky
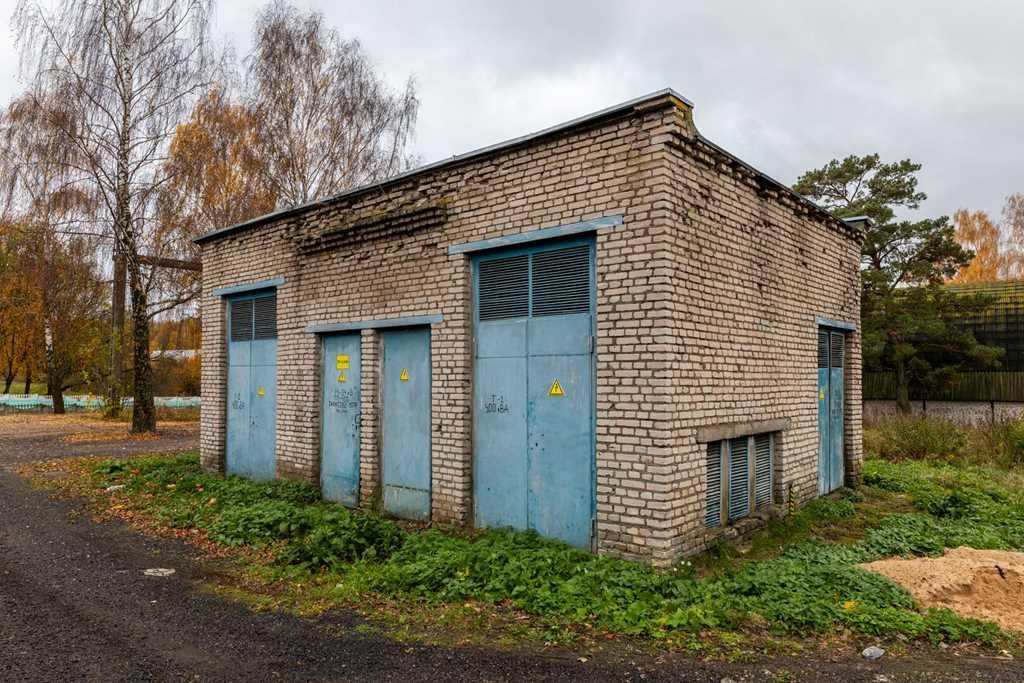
column 784, row 85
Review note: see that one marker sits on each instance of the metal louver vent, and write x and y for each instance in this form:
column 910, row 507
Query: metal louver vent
column 561, row 281
column 762, row 470
column 504, row 288
column 739, row 479
column 241, row 320
column 836, row 355
column 822, row 349
column 713, row 500
column 266, row 317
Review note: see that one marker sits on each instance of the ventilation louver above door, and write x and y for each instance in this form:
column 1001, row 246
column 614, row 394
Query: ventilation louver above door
column 836, row 355
column 241, row 320
column 823, row 349
column 545, row 283
column 561, row 281
column 266, row 317
column 505, row 288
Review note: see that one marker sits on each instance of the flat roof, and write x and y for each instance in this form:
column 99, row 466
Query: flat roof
column 490, row 149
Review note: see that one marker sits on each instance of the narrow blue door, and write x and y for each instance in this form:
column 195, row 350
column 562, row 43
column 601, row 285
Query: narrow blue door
column 533, row 436
column 831, row 356
column 824, row 422
column 252, row 386
column 836, row 388
column 340, row 419
column 405, row 442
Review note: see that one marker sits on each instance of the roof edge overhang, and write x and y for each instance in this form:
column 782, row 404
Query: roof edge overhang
column 666, row 94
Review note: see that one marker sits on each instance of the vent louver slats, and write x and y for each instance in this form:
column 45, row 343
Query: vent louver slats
column 504, row 288
column 561, row 281
column 739, row 479
column 836, row 354
column 713, row 468
column 762, row 470
column 265, row 317
column 823, row 349
column 241, row 320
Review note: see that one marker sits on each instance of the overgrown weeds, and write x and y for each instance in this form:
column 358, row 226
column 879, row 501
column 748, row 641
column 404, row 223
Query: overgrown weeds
column 914, row 438
column 806, row 585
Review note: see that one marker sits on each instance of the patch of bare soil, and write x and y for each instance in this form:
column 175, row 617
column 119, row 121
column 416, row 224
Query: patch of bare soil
column 984, row 584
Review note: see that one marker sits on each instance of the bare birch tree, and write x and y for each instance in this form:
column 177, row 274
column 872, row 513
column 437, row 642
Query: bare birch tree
column 131, row 69
column 326, row 120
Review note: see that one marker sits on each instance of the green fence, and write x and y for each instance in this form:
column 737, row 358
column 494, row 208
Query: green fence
column 969, row 386
column 39, row 402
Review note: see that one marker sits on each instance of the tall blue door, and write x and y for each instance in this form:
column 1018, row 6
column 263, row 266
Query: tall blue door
column 533, row 430
column 340, row 419
column 405, row 440
column 831, row 381
column 252, row 386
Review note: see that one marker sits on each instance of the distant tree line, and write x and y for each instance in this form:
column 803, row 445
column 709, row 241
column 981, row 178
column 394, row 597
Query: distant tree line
column 136, row 133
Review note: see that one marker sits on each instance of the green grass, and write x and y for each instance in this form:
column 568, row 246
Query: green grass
column 798, row 577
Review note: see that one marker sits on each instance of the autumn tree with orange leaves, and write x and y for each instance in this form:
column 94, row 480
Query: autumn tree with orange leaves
column 998, row 247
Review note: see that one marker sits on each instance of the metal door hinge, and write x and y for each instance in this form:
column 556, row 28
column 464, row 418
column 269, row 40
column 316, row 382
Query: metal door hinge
column 590, row 344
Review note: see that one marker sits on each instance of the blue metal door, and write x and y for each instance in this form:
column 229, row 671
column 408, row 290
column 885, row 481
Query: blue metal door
column 831, row 353
column 340, row 419
column 533, row 429
column 405, row 442
column 252, row 386
column 835, row 390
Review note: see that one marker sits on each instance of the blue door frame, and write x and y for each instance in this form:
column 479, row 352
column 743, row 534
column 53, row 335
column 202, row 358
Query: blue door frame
column 534, row 464
column 252, row 394
column 340, row 422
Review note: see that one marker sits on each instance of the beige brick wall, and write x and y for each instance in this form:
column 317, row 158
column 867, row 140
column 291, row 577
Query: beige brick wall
column 706, row 298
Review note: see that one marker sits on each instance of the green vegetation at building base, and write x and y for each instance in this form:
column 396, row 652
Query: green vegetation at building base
column 809, row 584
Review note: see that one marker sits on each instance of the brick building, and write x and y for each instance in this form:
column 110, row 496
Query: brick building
column 611, row 331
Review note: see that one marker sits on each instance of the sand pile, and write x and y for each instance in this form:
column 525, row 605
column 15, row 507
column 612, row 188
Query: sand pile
column 985, row 584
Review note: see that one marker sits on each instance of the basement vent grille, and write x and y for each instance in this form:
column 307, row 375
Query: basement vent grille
column 713, row 467
column 561, row 281
column 729, row 467
column 241, row 320
column 762, row 470
column 504, row 288
column 739, row 479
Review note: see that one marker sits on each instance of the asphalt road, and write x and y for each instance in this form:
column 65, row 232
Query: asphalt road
column 75, row 605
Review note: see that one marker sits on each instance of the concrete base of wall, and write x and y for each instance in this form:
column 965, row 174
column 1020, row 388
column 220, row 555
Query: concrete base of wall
column 963, row 413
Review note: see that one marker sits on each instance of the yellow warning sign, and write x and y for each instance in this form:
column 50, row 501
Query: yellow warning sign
column 404, row 376
column 341, row 361
column 260, row 392
column 556, row 389
column 341, row 377
column 821, row 395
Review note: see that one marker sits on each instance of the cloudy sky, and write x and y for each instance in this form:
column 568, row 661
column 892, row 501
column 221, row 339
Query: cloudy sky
column 784, row 85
